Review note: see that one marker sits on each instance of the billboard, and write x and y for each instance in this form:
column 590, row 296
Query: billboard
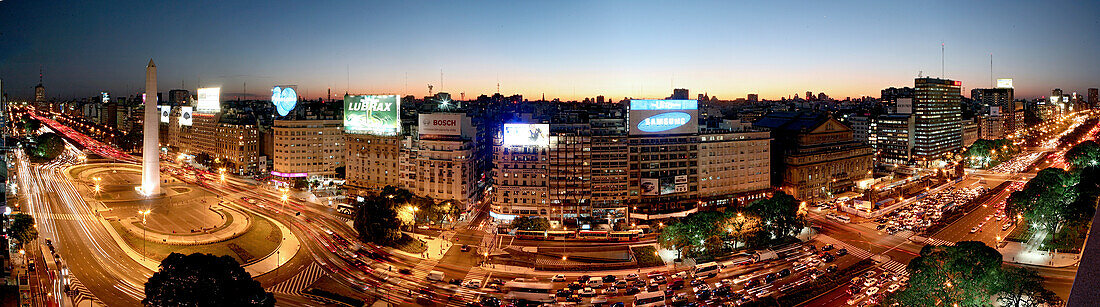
column 372, row 114
column 285, row 98
column 648, row 117
column 185, row 116
column 440, row 124
column 164, row 112
column 526, row 135
column 905, row 106
column 209, row 100
column 105, row 97
column 663, row 185
column 1004, row 83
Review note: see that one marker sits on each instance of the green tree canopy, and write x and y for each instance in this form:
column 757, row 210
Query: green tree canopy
column 22, row 228
column 779, row 215
column 987, row 153
column 966, row 274
column 1085, row 154
column 204, row 280
column 30, row 124
column 1049, row 201
column 1024, row 287
column 376, row 216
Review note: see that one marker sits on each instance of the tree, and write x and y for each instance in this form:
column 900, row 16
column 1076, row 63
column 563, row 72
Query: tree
column 50, row 145
column 1049, row 201
column 1024, row 287
column 30, row 125
column 967, row 274
column 1086, row 153
column 22, row 227
column 696, row 235
column 531, row 223
column 376, row 217
column 204, row 280
column 779, row 215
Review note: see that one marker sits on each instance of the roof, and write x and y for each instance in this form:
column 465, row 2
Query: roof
column 792, row 121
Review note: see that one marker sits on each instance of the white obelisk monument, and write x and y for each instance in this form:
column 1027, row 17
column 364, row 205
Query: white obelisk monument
column 150, row 152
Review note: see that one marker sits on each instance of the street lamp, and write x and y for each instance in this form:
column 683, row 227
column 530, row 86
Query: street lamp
column 144, row 239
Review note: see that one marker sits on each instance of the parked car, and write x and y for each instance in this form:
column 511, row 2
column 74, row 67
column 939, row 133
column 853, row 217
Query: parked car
column 558, row 278
column 841, row 252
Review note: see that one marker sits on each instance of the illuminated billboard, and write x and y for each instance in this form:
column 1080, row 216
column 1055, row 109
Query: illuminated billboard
column 441, row 124
column 658, row 117
column 663, row 185
column 105, row 97
column 285, row 98
column 209, row 100
column 526, row 135
column 372, row 114
column 164, row 111
column 1004, row 83
column 185, row 116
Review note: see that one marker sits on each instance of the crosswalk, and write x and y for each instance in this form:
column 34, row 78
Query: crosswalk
column 905, row 234
column 852, row 250
column 938, row 242
column 476, row 273
column 895, row 266
column 80, row 293
column 295, row 285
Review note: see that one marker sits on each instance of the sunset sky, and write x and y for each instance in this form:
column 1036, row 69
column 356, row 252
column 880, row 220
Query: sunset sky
column 563, row 49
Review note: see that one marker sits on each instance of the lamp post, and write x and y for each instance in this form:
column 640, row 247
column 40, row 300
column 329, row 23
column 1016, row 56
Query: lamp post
column 96, row 179
column 144, row 239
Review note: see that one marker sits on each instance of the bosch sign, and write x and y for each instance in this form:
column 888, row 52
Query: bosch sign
column 442, row 124
column 663, row 117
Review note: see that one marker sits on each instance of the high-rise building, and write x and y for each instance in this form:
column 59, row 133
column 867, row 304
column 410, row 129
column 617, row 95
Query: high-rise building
column 609, row 160
column 971, row 131
column 372, row 161
column 1094, row 101
column 442, row 163
column 892, row 94
column 179, row 97
column 937, row 116
column 752, row 98
column 997, row 97
column 892, row 138
column 734, row 164
column 521, row 173
column 680, row 93
column 39, row 93
column 861, row 127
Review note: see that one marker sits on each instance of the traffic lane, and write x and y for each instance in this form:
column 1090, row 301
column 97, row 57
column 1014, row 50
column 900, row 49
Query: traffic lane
column 960, row 229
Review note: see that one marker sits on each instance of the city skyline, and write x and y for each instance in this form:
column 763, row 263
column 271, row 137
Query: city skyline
column 569, row 51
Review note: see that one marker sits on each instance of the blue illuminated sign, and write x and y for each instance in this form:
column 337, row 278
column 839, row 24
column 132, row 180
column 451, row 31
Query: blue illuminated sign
column 640, row 105
column 664, row 122
column 284, row 99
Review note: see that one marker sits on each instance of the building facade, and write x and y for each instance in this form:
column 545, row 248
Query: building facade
column 815, row 156
column 937, row 117
column 307, row 148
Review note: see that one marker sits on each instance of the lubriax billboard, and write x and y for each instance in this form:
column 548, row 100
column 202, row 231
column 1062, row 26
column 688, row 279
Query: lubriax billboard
column 372, row 114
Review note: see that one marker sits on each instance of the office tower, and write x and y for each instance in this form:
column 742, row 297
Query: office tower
column 937, row 118
column 1094, row 101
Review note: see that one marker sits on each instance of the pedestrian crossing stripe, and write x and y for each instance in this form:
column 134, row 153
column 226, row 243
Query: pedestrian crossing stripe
column 295, row 285
column 938, row 242
column 79, row 293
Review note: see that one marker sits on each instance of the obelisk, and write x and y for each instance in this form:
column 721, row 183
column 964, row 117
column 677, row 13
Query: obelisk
column 150, row 152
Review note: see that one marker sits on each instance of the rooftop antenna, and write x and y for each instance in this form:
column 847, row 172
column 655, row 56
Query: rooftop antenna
column 943, row 72
column 348, row 86
column 498, row 87
column 441, row 78
column 992, row 83
column 429, row 89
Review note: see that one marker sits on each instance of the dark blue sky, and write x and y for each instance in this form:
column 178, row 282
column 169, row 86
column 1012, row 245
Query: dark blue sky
column 565, row 49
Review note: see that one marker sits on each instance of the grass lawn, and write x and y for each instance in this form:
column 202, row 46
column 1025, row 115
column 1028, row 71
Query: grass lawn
column 1070, row 239
column 409, row 244
column 646, row 256
column 260, row 240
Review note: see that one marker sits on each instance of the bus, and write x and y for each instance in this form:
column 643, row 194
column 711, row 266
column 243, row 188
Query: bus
column 646, row 299
column 592, row 235
column 706, row 270
column 629, row 235
column 528, row 291
column 544, row 235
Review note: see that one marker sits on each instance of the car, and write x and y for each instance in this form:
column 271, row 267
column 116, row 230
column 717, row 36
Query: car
column 587, row 292
column 752, row 283
column 660, row 279
column 831, row 269
column 632, row 290
column 870, row 282
column 676, row 284
column 975, row 229
column 841, row 252
column 631, row 276
column 621, row 284
column 610, row 291
column 855, row 299
column 869, row 274
column 618, row 304
column 473, row 284
column 653, row 287
column 1006, row 226
column 564, row 293
column 679, row 298
column 558, row 278
column 827, row 247
column 770, row 278
column 639, row 283
column 893, row 287
column 701, row 287
column 573, row 298
column 669, row 292
column 871, row 291
column 785, row 273
column 696, row 282
column 455, row 281
column 576, row 285
column 405, row 271
column 595, row 283
column 702, row 295
column 599, row 300
column 828, row 257
column 583, row 278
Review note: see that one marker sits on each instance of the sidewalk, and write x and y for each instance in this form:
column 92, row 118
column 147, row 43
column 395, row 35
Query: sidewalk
column 1016, row 252
column 238, row 227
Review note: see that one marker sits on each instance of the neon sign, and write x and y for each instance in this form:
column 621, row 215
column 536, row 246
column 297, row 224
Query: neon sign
column 284, row 99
